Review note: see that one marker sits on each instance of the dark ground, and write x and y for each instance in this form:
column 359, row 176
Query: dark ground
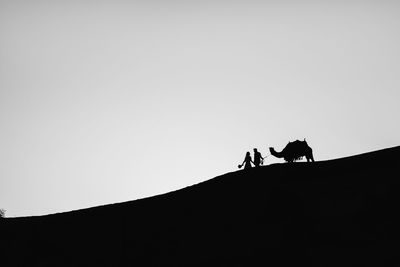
column 333, row 213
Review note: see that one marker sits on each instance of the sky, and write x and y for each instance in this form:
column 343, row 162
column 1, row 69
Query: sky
column 110, row 101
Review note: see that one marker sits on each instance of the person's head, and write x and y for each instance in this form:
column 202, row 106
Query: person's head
column 255, row 149
column 248, row 153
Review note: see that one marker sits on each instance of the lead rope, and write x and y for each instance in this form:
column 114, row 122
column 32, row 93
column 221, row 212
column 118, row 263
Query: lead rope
column 262, row 162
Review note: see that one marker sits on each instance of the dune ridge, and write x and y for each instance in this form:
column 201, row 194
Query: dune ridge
column 340, row 212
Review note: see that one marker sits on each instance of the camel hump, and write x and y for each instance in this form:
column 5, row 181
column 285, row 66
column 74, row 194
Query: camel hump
column 298, row 142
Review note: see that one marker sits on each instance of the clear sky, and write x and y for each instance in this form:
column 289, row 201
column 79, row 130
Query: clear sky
column 110, row 101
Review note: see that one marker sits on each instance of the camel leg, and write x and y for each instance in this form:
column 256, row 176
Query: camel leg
column 310, row 157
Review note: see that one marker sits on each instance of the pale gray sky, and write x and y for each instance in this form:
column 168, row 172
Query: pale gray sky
column 110, row 101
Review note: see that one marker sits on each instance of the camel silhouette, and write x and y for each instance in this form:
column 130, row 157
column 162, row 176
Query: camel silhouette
column 294, row 151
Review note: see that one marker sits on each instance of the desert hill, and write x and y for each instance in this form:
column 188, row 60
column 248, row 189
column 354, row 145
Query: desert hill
column 330, row 213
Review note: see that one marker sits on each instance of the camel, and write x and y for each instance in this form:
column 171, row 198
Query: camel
column 294, row 151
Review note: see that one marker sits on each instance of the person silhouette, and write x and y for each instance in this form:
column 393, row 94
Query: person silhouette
column 258, row 159
column 247, row 161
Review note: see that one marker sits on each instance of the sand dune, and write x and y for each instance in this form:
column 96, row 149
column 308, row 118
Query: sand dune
column 340, row 212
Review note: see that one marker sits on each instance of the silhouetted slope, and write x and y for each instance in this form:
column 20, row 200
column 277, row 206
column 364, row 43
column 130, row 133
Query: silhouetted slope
column 332, row 213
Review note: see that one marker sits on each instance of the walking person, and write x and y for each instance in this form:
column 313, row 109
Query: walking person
column 247, row 162
column 258, row 159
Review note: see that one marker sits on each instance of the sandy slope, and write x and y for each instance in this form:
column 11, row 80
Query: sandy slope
column 333, row 213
